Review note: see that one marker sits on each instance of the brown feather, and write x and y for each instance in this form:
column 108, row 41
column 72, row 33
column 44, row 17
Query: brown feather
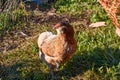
column 60, row 48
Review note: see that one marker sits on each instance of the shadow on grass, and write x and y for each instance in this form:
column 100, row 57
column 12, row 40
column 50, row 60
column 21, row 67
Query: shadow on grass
column 96, row 59
column 22, row 66
column 33, row 69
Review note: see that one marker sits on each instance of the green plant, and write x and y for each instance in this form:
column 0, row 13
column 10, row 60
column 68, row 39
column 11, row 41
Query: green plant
column 12, row 20
column 5, row 23
column 35, row 48
column 98, row 14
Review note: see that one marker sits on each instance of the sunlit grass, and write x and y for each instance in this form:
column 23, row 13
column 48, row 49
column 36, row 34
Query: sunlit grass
column 100, row 50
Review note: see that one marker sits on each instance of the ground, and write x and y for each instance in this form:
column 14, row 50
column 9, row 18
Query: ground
column 20, row 40
column 97, row 56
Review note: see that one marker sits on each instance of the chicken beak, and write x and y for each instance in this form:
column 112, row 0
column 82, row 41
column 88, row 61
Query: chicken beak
column 54, row 27
column 57, row 26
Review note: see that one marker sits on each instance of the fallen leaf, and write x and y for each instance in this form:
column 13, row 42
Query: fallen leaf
column 51, row 13
column 118, row 31
column 97, row 24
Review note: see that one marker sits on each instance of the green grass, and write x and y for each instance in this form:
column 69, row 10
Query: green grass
column 100, row 50
column 97, row 58
column 12, row 20
column 88, row 8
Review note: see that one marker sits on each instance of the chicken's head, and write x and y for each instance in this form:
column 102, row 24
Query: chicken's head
column 64, row 27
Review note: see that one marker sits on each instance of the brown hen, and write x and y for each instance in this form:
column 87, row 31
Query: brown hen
column 57, row 49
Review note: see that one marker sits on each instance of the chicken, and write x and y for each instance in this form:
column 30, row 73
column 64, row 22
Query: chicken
column 57, row 49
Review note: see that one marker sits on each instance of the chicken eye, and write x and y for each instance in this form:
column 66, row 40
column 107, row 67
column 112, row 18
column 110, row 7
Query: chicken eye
column 64, row 29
